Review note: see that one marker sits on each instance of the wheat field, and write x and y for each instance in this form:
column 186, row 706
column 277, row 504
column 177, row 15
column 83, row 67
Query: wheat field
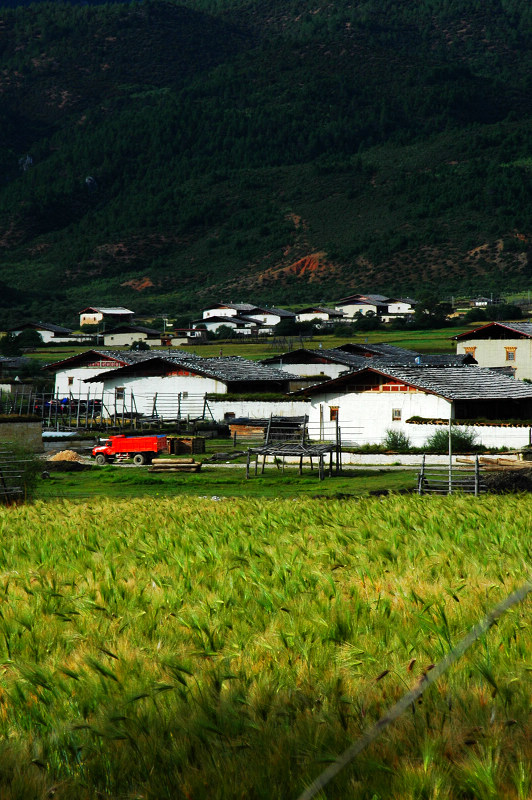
column 192, row 648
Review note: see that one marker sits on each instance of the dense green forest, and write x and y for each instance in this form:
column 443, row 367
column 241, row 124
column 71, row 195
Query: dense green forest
column 162, row 155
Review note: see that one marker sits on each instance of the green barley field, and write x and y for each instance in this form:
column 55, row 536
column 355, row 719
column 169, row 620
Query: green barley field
column 188, row 647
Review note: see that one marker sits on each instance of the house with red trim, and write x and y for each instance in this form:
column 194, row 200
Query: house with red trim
column 415, row 398
column 500, row 344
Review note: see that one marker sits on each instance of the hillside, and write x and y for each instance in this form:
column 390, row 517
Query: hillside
column 163, row 155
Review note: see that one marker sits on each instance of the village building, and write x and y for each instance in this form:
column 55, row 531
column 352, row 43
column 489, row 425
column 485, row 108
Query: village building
column 386, row 308
column 249, row 315
column 354, row 304
column 49, row 333
column 172, row 377
column 322, row 316
column 374, row 400
column 323, row 364
column 71, row 373
column 500, row 344
column 126, row 335
column 244, row 326
column 94, row 315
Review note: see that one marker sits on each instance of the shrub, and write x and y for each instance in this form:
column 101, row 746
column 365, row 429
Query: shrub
column 397, row 441
column 462, row 441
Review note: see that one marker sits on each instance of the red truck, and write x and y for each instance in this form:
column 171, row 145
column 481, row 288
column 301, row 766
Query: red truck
column 141, row 448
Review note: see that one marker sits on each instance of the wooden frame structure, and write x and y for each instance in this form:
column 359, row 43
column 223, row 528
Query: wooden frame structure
column 283, row 439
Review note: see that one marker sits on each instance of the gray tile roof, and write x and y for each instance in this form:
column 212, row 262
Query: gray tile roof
column 467, row 382
column 225, row 369
column 462, row 383
column 522, row 328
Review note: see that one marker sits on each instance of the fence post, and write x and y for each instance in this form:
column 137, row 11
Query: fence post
column 477, row 476
column 421, row 476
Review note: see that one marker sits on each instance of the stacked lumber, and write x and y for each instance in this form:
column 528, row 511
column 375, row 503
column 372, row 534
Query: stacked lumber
column 174, row 465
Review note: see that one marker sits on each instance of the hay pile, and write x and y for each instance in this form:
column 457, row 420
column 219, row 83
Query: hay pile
column 65, row 455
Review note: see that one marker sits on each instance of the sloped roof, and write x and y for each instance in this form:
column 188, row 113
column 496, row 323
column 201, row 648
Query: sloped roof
column 377, row 349
column 224, row 369
column 121, row 356
column 523, row 329
column 453, row 383
column 133, row 329
column 320, row 310
column 45, row 326
column 111, row 310
column 383, row 355
column 376, row 299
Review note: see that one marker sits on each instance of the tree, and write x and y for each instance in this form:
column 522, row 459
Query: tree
column 29, row 339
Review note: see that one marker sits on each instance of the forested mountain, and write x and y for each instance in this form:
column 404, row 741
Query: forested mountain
column 163, row 155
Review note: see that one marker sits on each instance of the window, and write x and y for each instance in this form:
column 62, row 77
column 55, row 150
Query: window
column 396, row 414
column 333, row 413
column 510, row 353
column 120, row 392
column 470, row 351
column 70, row 380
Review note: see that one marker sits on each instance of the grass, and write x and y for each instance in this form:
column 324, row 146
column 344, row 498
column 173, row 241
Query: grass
column 221, row 481
column 231, row 648
column 426, row 341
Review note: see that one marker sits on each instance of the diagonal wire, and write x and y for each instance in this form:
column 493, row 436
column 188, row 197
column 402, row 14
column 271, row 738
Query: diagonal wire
column 406, row 701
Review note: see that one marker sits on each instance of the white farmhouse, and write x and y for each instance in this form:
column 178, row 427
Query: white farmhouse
column 500, row 344
column 71, row 373
column 164, row 378
column 93, row 315
column 321, row 315
column 373, row 303
column 49, row 333
column 126, row 335
column 266, row 317
column 369, row 403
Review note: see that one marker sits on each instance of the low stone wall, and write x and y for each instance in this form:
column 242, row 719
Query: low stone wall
column 512, row 436
column 23, row 434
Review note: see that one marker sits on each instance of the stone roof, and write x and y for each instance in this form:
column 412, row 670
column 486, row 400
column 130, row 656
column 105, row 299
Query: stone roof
column 111, row 310
column 521, row 328
column 467, row 382
column 463, row 383
column 45, row 326
column 224, row 369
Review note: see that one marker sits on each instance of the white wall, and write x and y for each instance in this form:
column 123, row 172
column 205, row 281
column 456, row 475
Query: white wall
column 90, row 318
column 127, row 339
column 400, row 307
column 79, row 388
column 350, row 309
column 365, row 417
column 492, row 353
column 259, row 409
column 303, row 370
column 219, row 312
column 312, row 315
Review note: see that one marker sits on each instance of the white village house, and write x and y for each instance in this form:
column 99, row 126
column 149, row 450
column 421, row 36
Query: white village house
column 368, row 403
column 321, row 315
column 71, row 373
column 386, row 308
column 49, row 333
column 330, row 363
column 126, row 335
column 166, row 380
column 500, row 344
column 248, row 318
column 93, row 315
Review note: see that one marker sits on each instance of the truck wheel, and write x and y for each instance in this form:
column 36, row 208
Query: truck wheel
column 139, row 459
column 100, row 459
